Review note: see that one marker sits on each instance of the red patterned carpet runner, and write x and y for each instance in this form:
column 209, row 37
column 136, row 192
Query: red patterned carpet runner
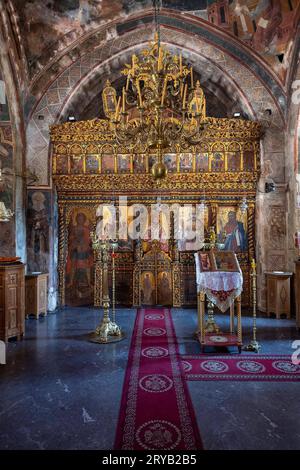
column 243, row 367
column 156, row 412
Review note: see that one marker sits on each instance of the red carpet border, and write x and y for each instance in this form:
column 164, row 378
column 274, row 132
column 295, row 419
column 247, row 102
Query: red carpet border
column 156, row 412
column 271, row 368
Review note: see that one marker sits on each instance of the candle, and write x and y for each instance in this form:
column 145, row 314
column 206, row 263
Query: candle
column 118, row 109
column 164, row 92
column 139, row 92
column 159, row 65
column 192, row 78
column 181, row 89
column 127, row 83
column 197, row 103
column 123, row 100
column 184, row 96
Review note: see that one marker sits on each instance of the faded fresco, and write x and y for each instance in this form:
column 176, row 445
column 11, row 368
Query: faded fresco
column 80, row 259
column 268, row 26
column 7, row 229
column 38, row 230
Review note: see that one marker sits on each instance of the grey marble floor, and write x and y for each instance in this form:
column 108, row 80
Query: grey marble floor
column 60, row 391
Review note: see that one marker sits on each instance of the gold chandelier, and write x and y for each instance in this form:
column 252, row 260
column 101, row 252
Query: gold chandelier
column 159, row 106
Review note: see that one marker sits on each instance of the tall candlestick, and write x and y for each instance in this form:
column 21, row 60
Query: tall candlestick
column 180, row 64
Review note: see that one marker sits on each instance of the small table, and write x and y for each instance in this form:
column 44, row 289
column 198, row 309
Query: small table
column 278, row 293
column 220, row 339
column 36, row 294
column 222, row 289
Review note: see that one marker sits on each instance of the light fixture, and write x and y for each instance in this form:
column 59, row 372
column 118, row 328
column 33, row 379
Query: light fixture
column 237, row 115
column 71, row 118
column 165, row 106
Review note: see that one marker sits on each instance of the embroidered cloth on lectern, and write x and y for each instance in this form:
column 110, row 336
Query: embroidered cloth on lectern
column 220, row 287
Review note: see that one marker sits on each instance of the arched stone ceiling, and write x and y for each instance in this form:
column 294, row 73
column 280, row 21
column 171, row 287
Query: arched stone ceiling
column 106, row 60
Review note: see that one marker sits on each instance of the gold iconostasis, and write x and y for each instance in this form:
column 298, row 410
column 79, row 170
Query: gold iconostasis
column 88, row 170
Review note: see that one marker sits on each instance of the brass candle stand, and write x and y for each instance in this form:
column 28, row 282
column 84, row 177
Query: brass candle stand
column 107, row 331
column 253, row 346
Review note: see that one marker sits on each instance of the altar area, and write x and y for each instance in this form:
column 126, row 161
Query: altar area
column 155, row 147
column 89, row 170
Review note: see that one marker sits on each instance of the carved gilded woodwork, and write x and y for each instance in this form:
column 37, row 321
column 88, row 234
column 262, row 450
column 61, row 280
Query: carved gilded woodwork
column 82, row 181
column 208, row 182
column 235, row 129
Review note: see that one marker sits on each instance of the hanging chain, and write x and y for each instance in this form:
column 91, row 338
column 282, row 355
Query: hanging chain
column 156, row 6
